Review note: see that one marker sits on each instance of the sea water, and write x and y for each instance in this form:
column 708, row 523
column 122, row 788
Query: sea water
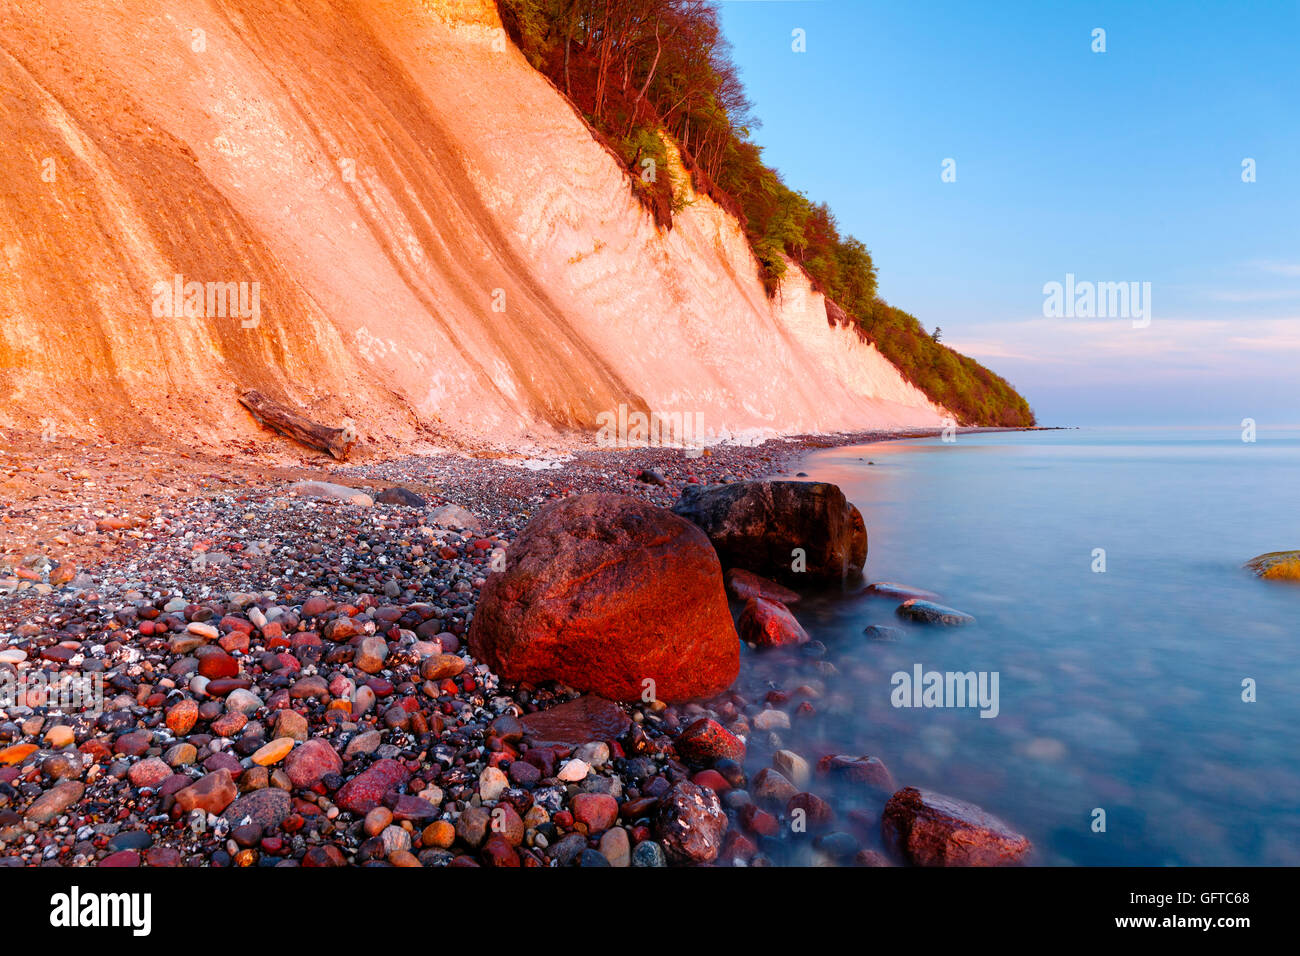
column 1148, row 687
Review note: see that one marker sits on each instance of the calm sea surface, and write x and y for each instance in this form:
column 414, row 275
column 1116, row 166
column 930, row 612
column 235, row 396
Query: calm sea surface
column 1120, row 690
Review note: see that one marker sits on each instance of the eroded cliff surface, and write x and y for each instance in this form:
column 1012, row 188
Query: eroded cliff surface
column 439, row 247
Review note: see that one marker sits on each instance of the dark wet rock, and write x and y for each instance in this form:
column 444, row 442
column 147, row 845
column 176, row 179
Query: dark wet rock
column 930, row 829
column 927, row 612
column 576, row 722
column 690, row 824
column 763, row 526
column 743, row 585
column 605, row 592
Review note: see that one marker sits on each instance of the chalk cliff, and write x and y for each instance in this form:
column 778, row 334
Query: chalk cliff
column 439, row 246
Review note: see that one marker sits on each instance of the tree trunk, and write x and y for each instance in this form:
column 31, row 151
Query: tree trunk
column 336, row 442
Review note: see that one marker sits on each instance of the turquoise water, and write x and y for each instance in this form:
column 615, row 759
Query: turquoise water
column 1120, row 690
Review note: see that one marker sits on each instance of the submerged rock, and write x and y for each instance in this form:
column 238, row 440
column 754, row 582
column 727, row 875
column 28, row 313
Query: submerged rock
column 898, row 592
column 927, row 612
column 930, row 829
column 1276, row 566
column 792, row 531
column 605, row 592
column 883, row 632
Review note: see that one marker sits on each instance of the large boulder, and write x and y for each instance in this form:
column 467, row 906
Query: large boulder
column 603, row 592
column 929, row 829
column 758, row 525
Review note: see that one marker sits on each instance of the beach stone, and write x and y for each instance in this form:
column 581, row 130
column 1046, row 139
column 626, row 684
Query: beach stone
column 454, row 516
column 309, row 763
column 576, row 722
column 365, row 743
column 648, row 853
column 769, row 624
column 16, row 754
column 267, row 808
column 227, row 725
column 122, row 858
column 324, row 856
column 289, row 723
column 148, row 773
column 930, row 829
column 498, row 852
column 182, row 717
column 273, row 752
column 441, row 666
column 241, row 701
column 180, row 754
column 746, row 585
column 705, row 741
column 400, row 496
column 60, row 736
column 597, row 810
column 616, row 847
column 472, row 826
column 440, row 834
column 371, row 655
column 1276, row 566
column 366, row 791
column 757, row 525
column 51, row 804
column 492, row 782
column 574, row 771
column 329, row 491
column 603, row 592
column 690, row 824
column 927, row 612
column 211, row 793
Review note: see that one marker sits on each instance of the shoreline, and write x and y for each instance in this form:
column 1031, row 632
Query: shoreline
column 281, row 599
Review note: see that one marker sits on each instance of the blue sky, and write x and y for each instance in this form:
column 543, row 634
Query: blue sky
column 1122, row 166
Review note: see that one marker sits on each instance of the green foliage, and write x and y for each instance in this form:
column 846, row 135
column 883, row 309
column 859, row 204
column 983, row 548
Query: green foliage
column 635, row 68
column 975, row 395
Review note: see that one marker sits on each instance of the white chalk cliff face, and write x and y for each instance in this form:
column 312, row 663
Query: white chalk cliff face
column 439, row 246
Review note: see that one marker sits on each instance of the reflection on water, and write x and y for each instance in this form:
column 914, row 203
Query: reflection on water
column 1119, row 690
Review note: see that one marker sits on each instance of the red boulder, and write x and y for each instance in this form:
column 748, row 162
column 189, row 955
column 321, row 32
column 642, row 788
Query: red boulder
column 606, row 592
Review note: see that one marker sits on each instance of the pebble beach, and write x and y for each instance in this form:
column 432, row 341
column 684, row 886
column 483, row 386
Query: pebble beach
column 284, row 679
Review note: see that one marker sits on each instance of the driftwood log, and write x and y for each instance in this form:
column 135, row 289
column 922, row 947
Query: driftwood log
column 337, row 442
